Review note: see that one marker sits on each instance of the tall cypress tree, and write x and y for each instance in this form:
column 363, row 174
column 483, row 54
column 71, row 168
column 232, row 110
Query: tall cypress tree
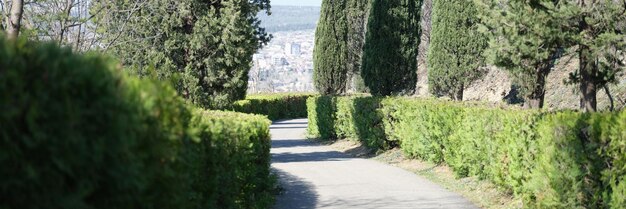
column 391, row 47
column 456, row 48
column 357, row 22
column 330, row 55
column 525, row 40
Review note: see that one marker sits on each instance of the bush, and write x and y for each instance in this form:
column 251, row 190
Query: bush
column 228, row 160
column 359, row 118
column 549, row 159
column 421, row 127
column 321, row 115
column 78, row 133
column 275, row 106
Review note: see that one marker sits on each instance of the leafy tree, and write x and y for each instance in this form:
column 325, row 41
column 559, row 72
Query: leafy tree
column 391, row 47
column 206, row 47
column 455, row 52
column 330, row 55
column 525, row 40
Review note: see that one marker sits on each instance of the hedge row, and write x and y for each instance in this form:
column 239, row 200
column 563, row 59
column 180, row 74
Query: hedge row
column 77, row 133
column 274, row 106
column 549, row 159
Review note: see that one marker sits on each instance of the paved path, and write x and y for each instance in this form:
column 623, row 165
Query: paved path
column 315, row 176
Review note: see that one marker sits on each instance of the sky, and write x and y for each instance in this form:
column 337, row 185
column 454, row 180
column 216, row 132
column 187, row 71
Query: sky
column 297, row 2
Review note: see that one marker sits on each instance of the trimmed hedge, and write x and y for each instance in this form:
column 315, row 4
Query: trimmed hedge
column 321, row 117
column 359, row 118
column 549, row 159
column 274, row 106
column 228, row 160
column 75, row 132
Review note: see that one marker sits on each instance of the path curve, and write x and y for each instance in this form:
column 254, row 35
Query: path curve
column 316, row 176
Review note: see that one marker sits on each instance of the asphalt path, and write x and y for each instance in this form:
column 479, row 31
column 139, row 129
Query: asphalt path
column 316, row 176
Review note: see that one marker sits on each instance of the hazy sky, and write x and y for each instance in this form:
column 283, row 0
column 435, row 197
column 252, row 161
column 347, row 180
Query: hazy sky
column 297, row 2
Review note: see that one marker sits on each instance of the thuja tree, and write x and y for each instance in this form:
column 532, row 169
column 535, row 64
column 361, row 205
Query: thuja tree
column 391, row 47
column 356, row 14
column 525, row 39
column 455, row 53
column 596, row 28
column 330, row 55
column 205, row 47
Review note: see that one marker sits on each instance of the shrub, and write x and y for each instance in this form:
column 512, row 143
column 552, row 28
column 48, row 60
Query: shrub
column 359, row 118
column 77, row 133
column 75, row 136
column 321, row 115
column 275, row 106
column 421, row 127
column 228, row 160
column 548, row 159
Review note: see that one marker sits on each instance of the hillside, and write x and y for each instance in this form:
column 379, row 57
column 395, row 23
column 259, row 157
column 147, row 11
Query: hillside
column 290, row 18
column 496, row 85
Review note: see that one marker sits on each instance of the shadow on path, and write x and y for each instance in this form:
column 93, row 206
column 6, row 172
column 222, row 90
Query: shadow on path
column 296, row 193
column 308, row 157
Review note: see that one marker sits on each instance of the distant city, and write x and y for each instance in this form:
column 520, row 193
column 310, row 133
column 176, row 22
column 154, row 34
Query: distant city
column 286, row 63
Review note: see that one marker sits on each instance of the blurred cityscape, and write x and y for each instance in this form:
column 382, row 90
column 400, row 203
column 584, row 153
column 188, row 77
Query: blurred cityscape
column 286, row 63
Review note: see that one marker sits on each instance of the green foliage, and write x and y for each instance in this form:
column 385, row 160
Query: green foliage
column 274, row 106
column 78, row 133
column 227, row 161
column 608, row 129
column 525, row 40
column 330, row 55
column 359, row 118
column 321, row 114
column 549, row 160
column 421, row 127
column 456, row 47
column 391, row 47
column 206, row 47
column 356, row 14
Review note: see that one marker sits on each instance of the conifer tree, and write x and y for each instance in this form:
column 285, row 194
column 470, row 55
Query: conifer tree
column 330, row 55
column 596, row 28
column 357, row 22
column 391, row 47
column 206, row 47
column 455, row 52
column 525, row 40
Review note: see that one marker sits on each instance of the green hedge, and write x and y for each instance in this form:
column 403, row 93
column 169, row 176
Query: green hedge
column 549, row 159
column 75, row 132
column 321, row 117
column 228, row 160
column 274, row 106
column 359, row 118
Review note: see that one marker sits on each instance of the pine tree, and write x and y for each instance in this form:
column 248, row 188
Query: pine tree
column 330, row 55
column 598, row 33
column 455, row 52
column 391, row 47
column 206, row 47
column 525, row 40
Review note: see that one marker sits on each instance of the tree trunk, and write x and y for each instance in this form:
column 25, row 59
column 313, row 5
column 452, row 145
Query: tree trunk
column 588, row 69
column 588, row 89
column 15, row 19
column 459, row 94
column 611, row 99
column 537, row 97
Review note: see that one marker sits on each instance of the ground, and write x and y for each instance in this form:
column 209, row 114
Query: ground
column 314, row 175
